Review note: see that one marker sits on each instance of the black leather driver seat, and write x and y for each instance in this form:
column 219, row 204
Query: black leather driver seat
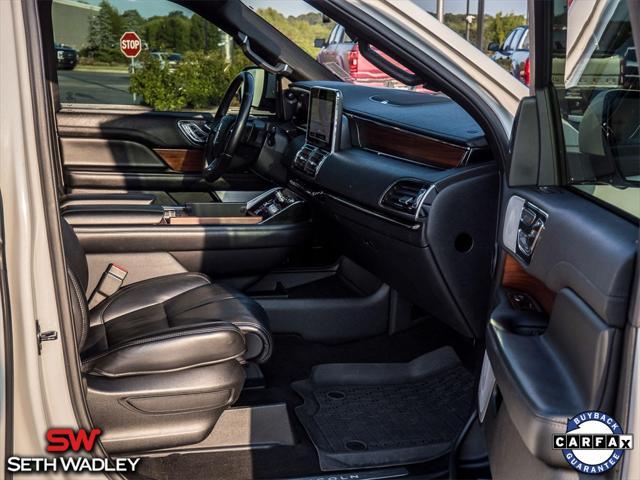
column 162, row 347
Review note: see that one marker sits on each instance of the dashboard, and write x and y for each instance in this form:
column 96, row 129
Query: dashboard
column 396, row 177
column 351, row 137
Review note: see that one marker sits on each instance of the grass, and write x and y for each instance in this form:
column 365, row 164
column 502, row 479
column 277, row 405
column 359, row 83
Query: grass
column 102, row 68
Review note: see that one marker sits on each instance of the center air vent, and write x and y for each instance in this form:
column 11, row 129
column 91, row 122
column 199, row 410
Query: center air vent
column 308, row 160
column 405, row 196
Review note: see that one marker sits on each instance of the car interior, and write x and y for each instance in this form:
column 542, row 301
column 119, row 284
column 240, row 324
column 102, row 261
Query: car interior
column 311, row 278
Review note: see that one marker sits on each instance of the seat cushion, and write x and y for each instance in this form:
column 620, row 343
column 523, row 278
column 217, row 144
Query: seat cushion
column 170, row 305
column 170, row 350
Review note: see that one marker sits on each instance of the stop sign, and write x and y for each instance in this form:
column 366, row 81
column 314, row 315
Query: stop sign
column 130, row 44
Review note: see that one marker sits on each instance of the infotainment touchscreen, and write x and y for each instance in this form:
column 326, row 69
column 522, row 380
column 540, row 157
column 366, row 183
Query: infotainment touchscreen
column 324, row 109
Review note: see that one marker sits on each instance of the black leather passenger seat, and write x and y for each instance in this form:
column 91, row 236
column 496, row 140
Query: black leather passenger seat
column 173, row 305
column 162, row 354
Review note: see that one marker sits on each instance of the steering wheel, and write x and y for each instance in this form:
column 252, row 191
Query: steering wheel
column 226, row 132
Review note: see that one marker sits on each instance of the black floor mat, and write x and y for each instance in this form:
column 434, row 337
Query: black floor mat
column 366, row 415
column 293, row 359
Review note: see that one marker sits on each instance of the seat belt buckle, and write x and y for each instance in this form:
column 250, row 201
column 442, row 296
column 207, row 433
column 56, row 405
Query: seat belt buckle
column 110, row 282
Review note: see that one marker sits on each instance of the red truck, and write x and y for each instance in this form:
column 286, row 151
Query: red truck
column 340, row 54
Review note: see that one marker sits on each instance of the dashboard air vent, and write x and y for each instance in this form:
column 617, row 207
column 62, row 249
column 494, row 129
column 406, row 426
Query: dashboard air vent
column 405, row 196
column 308, row 160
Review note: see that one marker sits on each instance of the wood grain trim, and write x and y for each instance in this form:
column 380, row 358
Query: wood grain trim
column 181, row 160
column 405, row 144
column 214, row 220
column 514, row 276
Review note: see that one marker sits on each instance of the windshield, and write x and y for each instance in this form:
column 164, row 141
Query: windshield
column 490, row 25
column 326, row 41
column 295, row 19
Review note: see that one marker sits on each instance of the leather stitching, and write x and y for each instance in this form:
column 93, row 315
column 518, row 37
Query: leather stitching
column 136, row 286
column 168, row 336
column 82, row 304
column 166, row 370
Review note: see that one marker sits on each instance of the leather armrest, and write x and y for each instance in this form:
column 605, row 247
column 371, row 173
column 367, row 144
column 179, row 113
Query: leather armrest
column 540, row 386
column 175, row 349
column 74, row 199
column 113, row 214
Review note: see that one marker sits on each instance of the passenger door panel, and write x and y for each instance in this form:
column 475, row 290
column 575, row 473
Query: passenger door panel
column 558, row 355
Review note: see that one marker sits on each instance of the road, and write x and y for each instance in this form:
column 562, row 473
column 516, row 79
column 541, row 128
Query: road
column 95, row 87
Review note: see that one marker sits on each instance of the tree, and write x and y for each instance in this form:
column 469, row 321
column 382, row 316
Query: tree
column 199, row 34
column 169, row 32
column 132, row 21
column 101, row 28
column 297, row 29
column 498, row 27
column 176, row 31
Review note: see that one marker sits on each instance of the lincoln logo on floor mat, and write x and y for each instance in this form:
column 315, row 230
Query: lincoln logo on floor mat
column 594, row 442
column 379, row 474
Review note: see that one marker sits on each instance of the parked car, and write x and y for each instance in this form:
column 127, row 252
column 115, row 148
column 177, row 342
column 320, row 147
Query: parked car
column 173, row 59
column 340, row 54
column 162, row 57
column 513, row 53
column 67, row 56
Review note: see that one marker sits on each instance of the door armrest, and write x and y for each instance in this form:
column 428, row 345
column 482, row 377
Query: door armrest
column 113, row 214
column 75, row 199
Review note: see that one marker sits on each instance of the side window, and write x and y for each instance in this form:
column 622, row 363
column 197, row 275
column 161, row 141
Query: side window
column 595, row 73
column 184, row 62
column 332, row 37
column 339, row 30
column 515, row 40
column 507, row 42
column 525, row 40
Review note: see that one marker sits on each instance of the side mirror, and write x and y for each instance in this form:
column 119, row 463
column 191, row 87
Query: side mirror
column 319, row 43
column 265, row 88
column 609, row 137
column 493, row 47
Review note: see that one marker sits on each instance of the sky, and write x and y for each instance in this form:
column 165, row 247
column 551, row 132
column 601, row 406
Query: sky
column 491, row 7
column 149, row 8
column 146, row 8
column 297, row 7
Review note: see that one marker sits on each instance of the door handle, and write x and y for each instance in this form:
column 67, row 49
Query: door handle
column 196, row 132
column 531, row 225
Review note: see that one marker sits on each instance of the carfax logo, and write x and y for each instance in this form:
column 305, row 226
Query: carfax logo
column 65, row 440
column 594, row 442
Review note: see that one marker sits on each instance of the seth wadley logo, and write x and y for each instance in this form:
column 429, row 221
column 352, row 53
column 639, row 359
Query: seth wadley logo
column 593, row 443
column 65, row 440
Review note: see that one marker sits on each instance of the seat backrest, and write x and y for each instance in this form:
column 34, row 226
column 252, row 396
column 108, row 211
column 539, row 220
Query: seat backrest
column 78, row 275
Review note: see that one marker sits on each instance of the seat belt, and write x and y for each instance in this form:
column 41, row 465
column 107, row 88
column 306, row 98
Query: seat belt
column 110, row 282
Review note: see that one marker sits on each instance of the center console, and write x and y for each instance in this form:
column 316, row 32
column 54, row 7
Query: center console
column 278, row 205
column 274, row 206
